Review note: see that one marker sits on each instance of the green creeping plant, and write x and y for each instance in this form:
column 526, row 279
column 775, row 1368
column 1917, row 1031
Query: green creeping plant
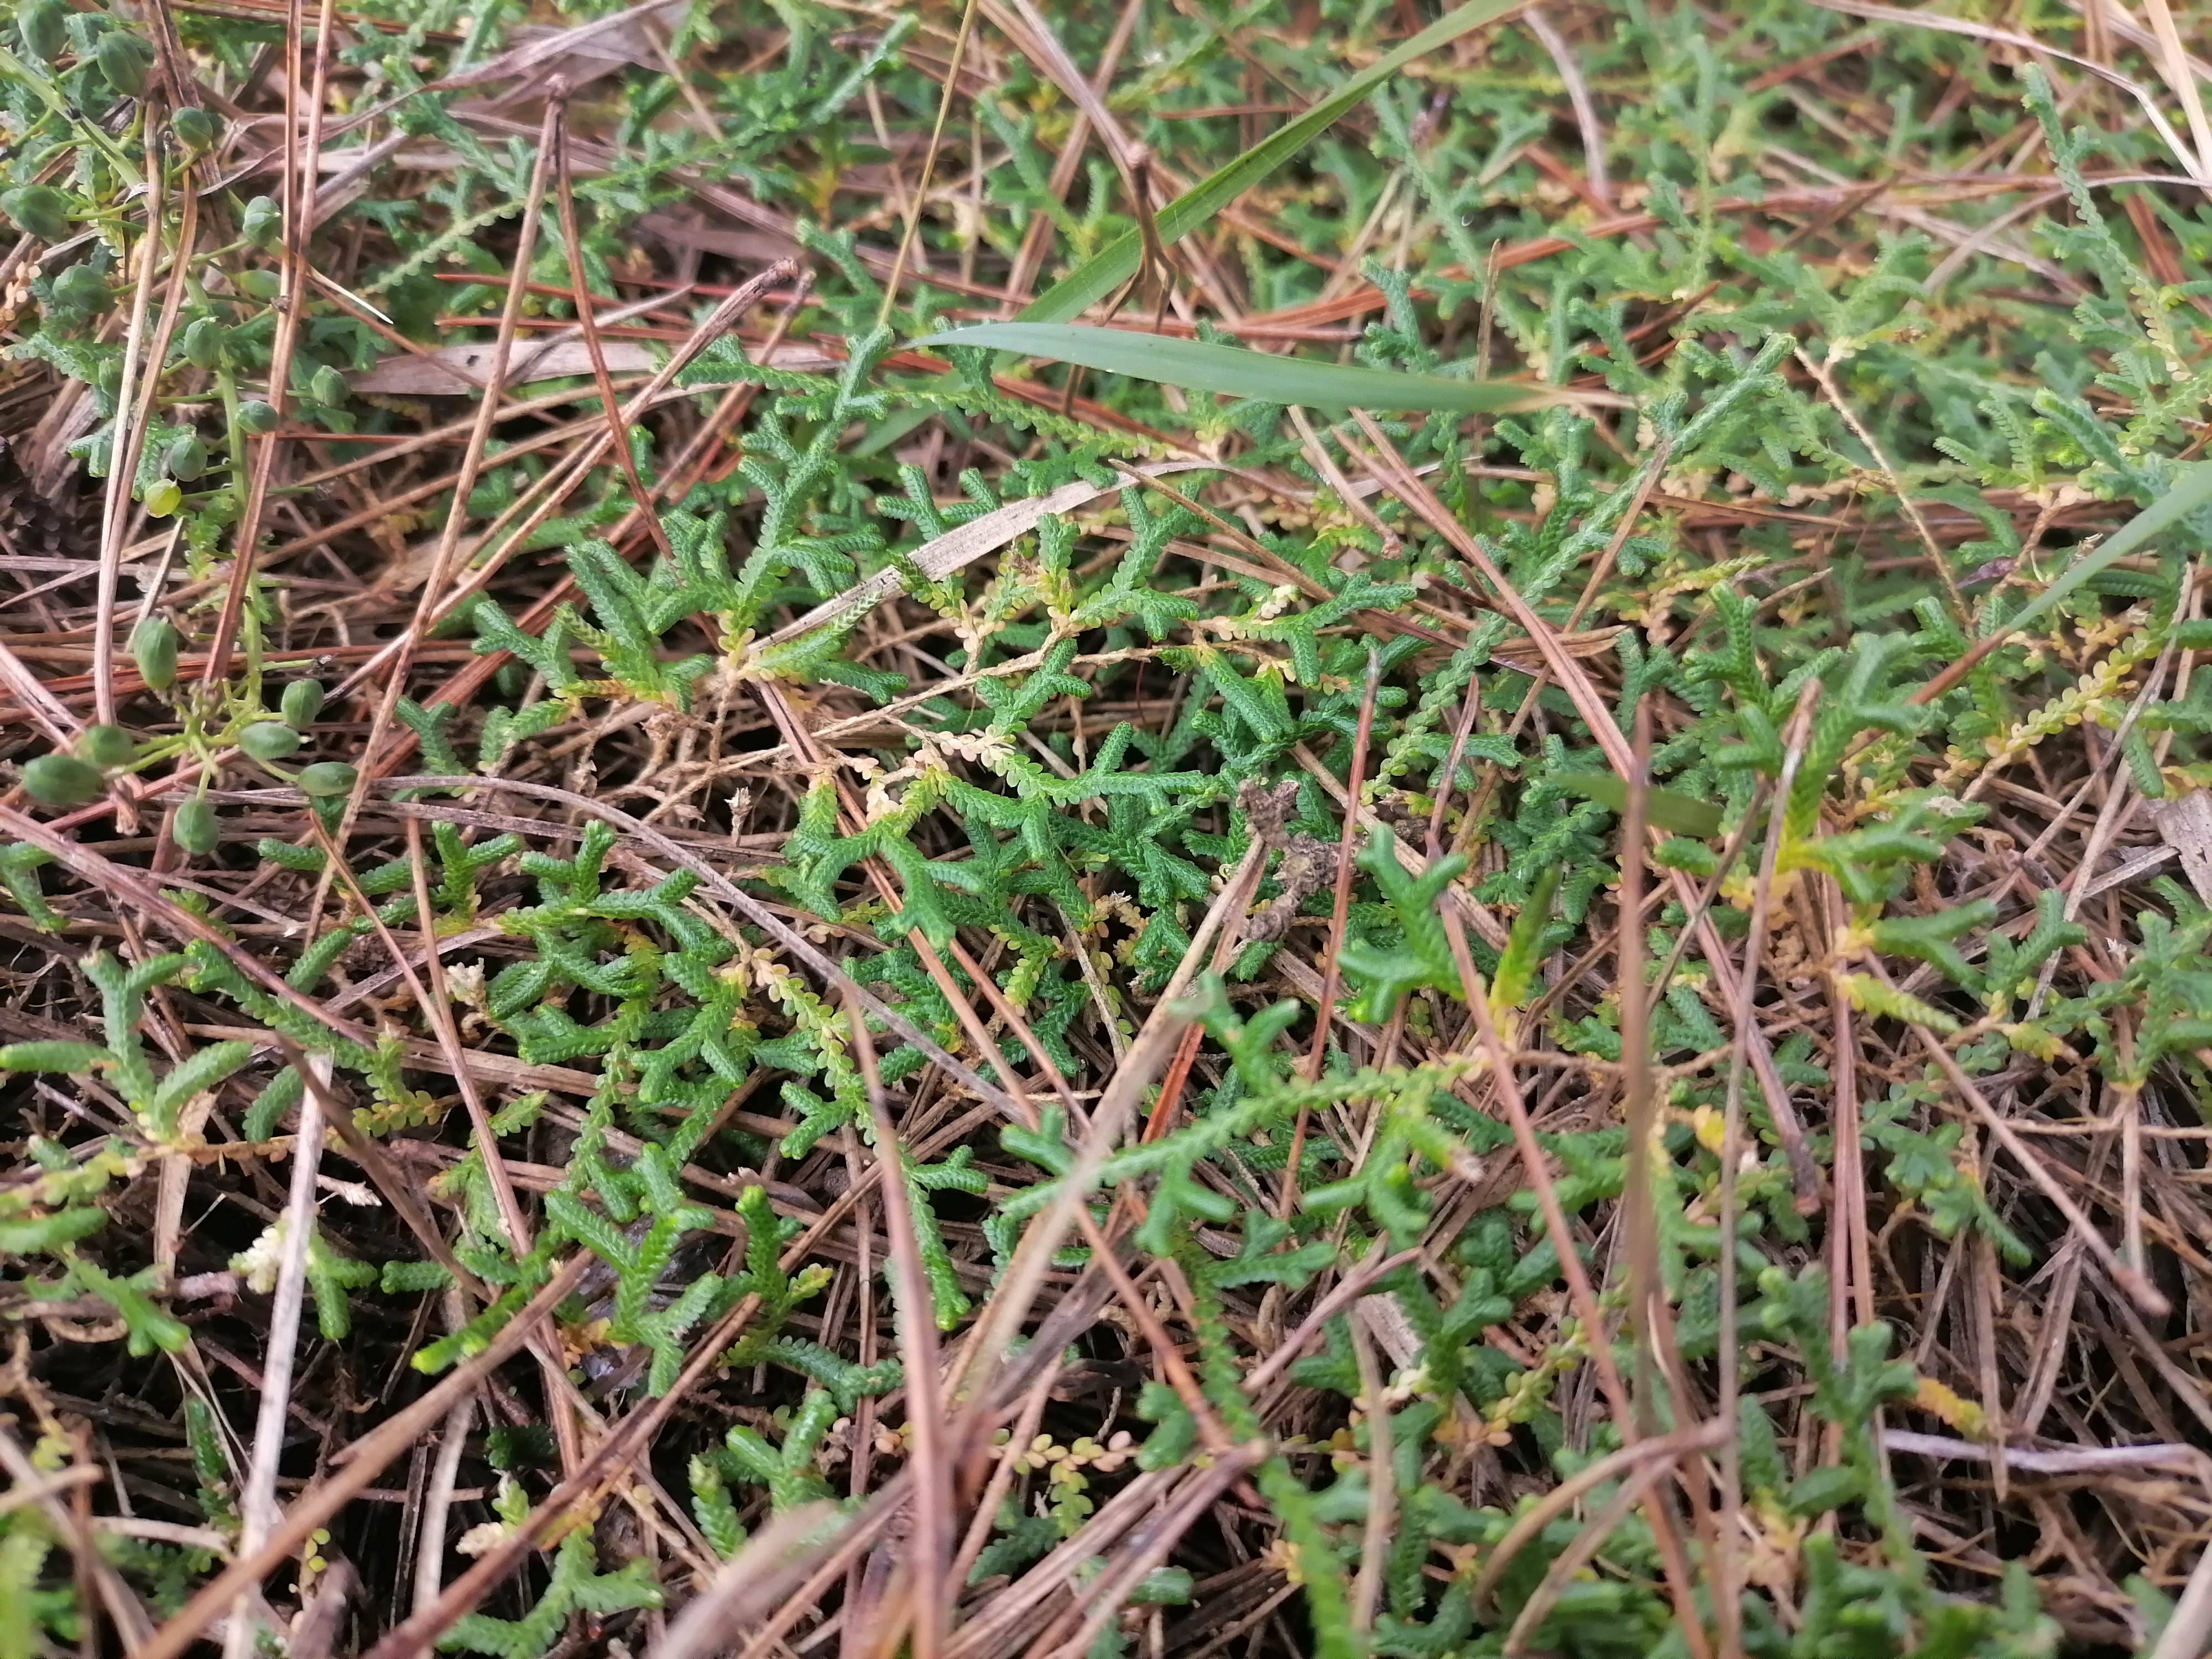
column 640, row 1257
column 154, row 1099
column 576, row 1586
column 1076, row 855
column 1422, row 958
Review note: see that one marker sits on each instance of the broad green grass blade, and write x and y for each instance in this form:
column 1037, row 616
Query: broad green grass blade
column 1114, row 264
column 1197, row 366
column 1663, row 809
column 2192, row 489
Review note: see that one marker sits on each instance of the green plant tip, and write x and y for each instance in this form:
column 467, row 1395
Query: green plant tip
column 61, row 780
column 269, row 740
column 106, row 745
column 195, row 828
column 257, row 417
column 329, row 388
column 327, row 778
column 258, row 284
column 163, row 497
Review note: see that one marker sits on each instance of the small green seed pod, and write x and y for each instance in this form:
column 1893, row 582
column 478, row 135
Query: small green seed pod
column 269, row 740
column 263, row 223
column 303, row 701
column 163, row 497
column 203, row 342
column 195, row 128
column 123, row 59
column 62, row 781
column 43, row 28
column 329, row 388
column 154, row 648
column 195, row 828
column 256, row 416
column 83, row 288
column 256, row 284
column 105, row 746
column 186, row 459
column 327, row 778
column 39, row 210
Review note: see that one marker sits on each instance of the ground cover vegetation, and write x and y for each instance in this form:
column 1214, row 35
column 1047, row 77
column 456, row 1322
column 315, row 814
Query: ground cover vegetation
column 1313, row 827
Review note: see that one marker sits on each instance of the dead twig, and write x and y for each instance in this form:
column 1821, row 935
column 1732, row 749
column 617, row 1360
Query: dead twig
column 931, row 1550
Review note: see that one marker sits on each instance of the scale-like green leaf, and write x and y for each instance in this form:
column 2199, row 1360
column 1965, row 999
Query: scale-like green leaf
column 56, row 1054
column 1112, row 265
column 1197, row 366
column 1662, row 808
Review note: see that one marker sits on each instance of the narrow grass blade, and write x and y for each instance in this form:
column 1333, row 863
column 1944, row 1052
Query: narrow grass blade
column 1678, row 815
column 1197, row 366
column 2192, row 489
column 1112, row 265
